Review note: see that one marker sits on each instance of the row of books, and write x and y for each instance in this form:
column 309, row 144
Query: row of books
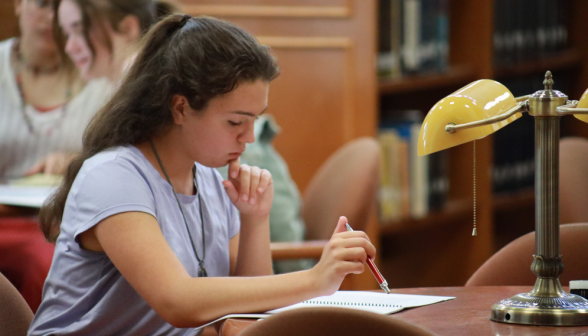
column 513, row 165
column 410, row 185
column 413, row 37
column 528, row 29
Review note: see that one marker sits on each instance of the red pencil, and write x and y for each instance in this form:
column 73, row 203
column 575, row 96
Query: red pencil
column 383, row 283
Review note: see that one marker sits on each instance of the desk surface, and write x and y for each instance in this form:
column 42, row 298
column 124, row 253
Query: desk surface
column 467, row 315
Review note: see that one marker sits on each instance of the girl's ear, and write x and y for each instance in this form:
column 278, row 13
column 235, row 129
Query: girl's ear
column 180, row 109
column 129, row 28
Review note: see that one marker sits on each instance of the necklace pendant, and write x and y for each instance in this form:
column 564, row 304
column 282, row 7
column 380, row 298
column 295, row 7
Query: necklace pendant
column 202, row 272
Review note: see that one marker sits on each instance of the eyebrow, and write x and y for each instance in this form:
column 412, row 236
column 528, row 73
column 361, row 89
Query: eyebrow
column 249, row 114
column 75, row 25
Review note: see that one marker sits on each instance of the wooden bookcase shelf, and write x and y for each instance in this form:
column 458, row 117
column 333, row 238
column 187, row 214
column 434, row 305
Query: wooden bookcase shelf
column 452, row 212
column 454, row 76
column 511, row 202
column 564, row 60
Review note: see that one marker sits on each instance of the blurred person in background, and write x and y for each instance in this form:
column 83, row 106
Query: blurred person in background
column 102, row 37
column 44, row 108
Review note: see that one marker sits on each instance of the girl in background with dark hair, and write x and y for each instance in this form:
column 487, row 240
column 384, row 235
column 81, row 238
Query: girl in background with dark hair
column 150, row 239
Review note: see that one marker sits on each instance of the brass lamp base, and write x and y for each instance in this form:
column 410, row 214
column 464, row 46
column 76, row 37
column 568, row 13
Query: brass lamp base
column 547, row 304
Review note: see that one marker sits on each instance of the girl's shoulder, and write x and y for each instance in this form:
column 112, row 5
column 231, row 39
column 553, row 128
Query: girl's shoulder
column 117, row 161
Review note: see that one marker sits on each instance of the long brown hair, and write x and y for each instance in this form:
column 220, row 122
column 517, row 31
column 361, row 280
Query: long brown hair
column 97, row 13
column 199, row 58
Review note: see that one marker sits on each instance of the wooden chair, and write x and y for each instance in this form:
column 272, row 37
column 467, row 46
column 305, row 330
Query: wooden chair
column 331, row 322
column 15, row 313
column 345, row 185
column 573, row 180
column 511, row 266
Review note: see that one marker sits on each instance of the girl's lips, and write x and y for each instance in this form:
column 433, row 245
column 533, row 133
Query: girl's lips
column 80, row 64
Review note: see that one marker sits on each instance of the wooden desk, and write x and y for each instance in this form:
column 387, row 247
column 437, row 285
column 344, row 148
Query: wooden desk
column 468, row 314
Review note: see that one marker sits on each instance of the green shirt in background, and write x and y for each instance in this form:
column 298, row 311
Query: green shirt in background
column 286, row 224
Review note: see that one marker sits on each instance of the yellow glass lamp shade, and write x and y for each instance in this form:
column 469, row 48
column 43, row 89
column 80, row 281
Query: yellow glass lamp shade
column 476, row 101
column 583, row 103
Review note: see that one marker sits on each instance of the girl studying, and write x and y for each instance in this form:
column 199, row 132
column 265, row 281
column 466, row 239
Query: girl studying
column 149, row 238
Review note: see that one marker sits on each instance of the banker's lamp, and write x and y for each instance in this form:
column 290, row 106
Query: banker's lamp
column 481, row 108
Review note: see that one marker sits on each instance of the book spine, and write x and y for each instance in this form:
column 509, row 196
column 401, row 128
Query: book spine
column 411, row 24
column 384, row 38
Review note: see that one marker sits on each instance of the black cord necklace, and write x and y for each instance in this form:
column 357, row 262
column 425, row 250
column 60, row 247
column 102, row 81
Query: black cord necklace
column 201, row 270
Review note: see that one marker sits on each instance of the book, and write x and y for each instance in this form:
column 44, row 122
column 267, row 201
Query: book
column 29, row 191
column 410, row 185
column 374, row 302
column 24, row 195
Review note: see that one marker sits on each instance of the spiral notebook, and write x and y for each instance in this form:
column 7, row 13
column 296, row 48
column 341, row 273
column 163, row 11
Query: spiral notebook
column 374, row 302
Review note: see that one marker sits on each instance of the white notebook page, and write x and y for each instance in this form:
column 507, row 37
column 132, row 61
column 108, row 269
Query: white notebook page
column 375, row 302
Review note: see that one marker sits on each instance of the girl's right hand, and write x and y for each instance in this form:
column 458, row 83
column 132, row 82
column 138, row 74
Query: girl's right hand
column 345, row 253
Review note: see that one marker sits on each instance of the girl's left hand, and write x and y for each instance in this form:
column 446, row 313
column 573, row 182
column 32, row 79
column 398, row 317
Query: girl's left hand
column 251, row 189
column 52, row 164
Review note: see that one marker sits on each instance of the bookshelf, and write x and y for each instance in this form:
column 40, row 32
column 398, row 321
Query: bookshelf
column 438, row 250
column 457, row 75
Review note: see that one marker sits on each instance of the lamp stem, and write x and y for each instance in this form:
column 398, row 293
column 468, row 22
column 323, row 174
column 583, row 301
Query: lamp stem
column 547, row 186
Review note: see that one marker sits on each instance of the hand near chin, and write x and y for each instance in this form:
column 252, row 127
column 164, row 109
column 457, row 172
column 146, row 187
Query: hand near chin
column 251, row 189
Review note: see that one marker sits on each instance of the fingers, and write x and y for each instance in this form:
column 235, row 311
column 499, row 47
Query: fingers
column 38, row 167
column 341, row 225
column 248, row 181
column 264, row 181
column 245, row 181
column 52, row 165
column 253, row 184
column 231, row 190
column 355, row 239
column 353, row 267
column 259, row 181
column 234, row 167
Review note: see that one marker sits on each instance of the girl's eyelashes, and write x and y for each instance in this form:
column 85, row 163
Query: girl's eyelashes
column 232, row 123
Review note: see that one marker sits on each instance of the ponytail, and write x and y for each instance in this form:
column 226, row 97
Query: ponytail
column 199, row 58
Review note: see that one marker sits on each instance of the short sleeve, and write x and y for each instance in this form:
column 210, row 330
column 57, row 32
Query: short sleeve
column 108, row 188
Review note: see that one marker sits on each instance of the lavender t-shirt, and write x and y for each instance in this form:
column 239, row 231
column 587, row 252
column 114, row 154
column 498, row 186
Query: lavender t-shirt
column 84, row 293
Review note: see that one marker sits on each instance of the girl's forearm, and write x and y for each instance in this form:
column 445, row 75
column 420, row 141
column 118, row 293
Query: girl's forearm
column 254, row 248
column 200, row 300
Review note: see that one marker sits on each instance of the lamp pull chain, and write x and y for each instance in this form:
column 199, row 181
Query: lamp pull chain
column 475, row 231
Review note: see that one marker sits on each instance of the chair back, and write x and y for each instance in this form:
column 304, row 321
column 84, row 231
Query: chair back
column 573, row 180
column 323, row 321
column 15, row 314
column 511, row 266
column 345, row 185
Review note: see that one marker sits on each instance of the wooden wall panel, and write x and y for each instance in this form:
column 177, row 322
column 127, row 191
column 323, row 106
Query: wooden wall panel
column 8, row 21
column 326, row 93
column 312, row 114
